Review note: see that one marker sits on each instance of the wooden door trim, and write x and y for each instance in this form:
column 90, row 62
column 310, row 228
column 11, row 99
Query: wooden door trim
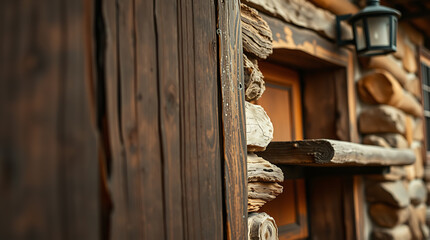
column 274, row 72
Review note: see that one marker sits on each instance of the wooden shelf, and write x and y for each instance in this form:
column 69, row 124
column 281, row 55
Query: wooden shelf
column 325, row 153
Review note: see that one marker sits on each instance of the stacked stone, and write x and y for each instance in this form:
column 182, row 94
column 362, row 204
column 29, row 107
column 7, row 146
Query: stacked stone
column 263, row 177
column 391, row 117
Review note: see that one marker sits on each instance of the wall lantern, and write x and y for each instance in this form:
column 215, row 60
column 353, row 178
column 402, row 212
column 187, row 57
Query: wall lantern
column 374, row 28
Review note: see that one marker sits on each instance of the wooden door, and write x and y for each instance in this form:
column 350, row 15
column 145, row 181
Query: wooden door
column 281, row 100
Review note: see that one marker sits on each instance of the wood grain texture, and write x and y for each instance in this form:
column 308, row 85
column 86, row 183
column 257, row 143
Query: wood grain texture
column 256, row 34
column 381, row 87
column 323, row 152
column 301, row 13
column 233, row 118
column 166, row 178
column 48, row 143
column 262, row 227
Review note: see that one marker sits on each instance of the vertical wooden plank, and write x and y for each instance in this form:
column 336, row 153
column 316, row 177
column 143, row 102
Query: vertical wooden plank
column 77, row 134
column 210, row 181
column 29, row 90
column 109, row 75
column 148, row 117
column 319, row 96
column 48, row 168
column 233, row 119
column 166, row 17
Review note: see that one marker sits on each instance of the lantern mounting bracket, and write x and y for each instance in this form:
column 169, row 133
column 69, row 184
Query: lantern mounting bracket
column 339, row 39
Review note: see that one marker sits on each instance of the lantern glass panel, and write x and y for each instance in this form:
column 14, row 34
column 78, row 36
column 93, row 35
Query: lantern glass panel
column 359, row 35
column 379, row 30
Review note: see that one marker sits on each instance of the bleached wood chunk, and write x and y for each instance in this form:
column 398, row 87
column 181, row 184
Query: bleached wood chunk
column 260, row 170
column 414, row 87
column 301, row 13
column 388, row 216
column 425, row 230
column 382, row 88
column 396, row 173
column 409, row 60
column 254, row 204
column 264, row 191
column 261, row 226
column 415, row 225
column 382, row 119
column 409, row 129
column 393, row 140
column 401, row 232
column 389, row 64
column 259, row 128
column 410, row 172
column 375, row 140
column 256, row 34
column 420, row 211
column 418, row 134
column 418, row 165
column 427, row 174
column 417, row 192
column 254, row 83
column 392, row 193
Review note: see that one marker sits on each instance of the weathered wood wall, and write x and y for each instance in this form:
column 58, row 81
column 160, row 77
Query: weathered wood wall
column 48, row 139
column 122, row 120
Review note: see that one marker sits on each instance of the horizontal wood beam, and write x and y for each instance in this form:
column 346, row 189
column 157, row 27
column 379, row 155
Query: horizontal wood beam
column 324, row 152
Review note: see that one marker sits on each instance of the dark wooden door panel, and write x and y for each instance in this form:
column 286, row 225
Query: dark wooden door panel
column 281, row 100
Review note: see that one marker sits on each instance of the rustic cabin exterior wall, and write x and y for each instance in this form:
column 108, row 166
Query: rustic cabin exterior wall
column 389, row 114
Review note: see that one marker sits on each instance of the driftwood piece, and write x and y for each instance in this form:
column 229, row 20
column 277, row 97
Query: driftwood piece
column 393, row 140
column 324, row 152
column 401, row 232
column 254, row 204
column 381, row 87
column 414, row 87
column 253, row 78
column 388, row 216
column 264, row 191
column 382, row 119
column 389, row 64
column 301, row 13
column 421, row 212
column 417, row 191
column 260, row 170
column 375, row 140
column 256, row 34
column 261, row 226
column 409, row 60
column 418, row 132
column 415, row 225
column 392, row 193
column 396, row 173
column 259, row 128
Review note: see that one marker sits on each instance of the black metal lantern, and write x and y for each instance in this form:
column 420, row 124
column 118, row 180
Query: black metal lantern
column 374, row 28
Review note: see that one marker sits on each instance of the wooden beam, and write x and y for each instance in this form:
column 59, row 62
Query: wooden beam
column 233, row 119
column 324, row 152
column 301, row 13
column 337, row 6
